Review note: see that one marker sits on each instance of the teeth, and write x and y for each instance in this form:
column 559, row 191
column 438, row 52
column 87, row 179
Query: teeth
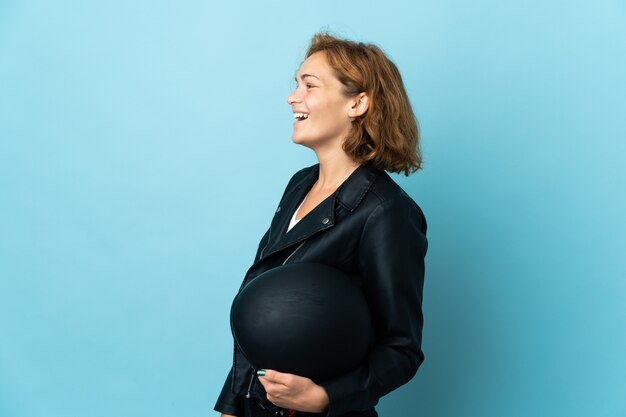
column 300, row 116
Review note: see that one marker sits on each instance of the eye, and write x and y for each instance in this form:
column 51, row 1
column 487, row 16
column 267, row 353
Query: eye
column 308, row 86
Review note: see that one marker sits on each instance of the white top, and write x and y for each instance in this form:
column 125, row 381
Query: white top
column 293, row 221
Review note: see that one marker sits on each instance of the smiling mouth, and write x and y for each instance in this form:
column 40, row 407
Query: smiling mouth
column 300, row 116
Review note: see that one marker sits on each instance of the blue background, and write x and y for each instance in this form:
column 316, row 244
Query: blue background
column 144, row 146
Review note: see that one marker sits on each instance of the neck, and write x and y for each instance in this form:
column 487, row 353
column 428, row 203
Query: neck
column 335, row 167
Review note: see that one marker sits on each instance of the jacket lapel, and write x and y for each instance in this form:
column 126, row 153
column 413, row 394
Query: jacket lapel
column 278, row 237
column 322, row 217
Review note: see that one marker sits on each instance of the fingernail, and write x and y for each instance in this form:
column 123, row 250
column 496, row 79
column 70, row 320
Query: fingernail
column 260, row 372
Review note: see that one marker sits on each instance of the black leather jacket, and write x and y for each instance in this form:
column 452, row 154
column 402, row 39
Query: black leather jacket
column 372, row 230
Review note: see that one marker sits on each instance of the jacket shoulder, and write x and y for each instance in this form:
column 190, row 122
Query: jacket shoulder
column 385, row 192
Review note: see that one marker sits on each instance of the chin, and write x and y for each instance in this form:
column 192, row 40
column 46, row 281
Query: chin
column 303, row 143
column 298, row 140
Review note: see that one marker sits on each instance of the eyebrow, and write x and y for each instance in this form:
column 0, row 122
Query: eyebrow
column 303, row 76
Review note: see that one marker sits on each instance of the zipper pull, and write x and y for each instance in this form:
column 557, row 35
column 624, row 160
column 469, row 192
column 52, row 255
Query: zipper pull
column 251, row 381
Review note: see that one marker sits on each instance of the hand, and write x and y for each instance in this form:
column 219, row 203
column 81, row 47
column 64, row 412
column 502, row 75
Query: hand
column 294, row 392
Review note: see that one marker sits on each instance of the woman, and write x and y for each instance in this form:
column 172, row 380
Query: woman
column 352, row 110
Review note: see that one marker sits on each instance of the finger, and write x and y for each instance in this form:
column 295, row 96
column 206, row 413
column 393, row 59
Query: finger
column 275, row 400
column 274, row 388
column 278, row 377
column 271, row 386
column 264, row 382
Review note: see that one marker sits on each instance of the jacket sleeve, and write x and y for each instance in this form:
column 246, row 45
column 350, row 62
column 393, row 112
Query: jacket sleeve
column 228, row 402
column 391, row 263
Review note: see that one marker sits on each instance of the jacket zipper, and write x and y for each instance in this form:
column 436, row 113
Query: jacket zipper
column 292, row 253
column 251, row 381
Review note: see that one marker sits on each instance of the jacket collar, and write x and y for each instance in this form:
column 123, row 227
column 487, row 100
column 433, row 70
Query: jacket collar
column 349, row 195
column 351, row 192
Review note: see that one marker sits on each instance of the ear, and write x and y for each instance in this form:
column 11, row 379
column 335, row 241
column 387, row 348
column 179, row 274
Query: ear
column 359, row 105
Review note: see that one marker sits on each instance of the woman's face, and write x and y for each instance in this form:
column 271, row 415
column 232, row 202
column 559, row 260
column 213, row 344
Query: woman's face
column 321, row 110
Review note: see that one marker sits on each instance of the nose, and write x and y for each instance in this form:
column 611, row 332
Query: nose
column 294, row 97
